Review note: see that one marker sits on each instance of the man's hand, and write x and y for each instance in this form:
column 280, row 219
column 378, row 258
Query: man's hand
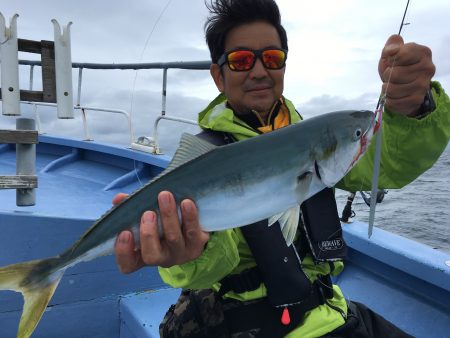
column 412, row 70
column 181, row 242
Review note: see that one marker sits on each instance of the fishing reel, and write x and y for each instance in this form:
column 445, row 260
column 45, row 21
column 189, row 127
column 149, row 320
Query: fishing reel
column 348, row 212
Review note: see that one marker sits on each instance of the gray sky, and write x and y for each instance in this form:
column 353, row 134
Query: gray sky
column 334, row 48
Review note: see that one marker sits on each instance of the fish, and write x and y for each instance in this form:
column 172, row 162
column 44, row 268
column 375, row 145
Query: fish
column 266, row 176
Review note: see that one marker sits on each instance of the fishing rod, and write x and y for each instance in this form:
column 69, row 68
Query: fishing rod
column 403, row 23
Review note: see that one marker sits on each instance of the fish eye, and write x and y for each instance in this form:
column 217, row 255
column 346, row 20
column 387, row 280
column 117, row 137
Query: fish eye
column 357, row 134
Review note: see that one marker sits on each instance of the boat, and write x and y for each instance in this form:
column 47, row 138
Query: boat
column 405, row 281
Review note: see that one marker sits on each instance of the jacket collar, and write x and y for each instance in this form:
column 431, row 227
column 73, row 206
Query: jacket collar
column 218, row 117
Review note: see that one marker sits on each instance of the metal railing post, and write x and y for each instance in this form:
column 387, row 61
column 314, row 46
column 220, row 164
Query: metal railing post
column 164, row 92
column 31, row 77
column 80, row 76
column 87, row 136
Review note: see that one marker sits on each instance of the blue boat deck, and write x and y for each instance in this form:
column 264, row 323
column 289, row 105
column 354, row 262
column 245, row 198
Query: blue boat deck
column 77, row 179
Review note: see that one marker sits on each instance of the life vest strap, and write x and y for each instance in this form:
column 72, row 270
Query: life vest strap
column 247, row 280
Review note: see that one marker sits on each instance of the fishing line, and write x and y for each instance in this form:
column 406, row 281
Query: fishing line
column 377, row 159
column 137, row 70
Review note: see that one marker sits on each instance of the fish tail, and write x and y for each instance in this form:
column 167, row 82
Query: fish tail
column 37, row 281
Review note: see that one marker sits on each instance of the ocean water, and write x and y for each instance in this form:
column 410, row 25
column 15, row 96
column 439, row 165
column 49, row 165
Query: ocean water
column 419, row 211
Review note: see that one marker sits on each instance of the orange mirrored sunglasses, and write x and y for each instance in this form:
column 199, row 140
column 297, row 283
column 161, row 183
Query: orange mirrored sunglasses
column 240, row 60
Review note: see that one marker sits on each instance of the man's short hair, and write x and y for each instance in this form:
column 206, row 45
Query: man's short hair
column 227, row 14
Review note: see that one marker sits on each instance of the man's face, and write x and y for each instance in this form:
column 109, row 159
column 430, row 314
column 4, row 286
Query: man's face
column 257, row 88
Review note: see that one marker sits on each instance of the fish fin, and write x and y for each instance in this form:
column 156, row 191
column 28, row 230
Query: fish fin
column 37, row 290
column 189, row 148
column 288, row 221
column 275, row 218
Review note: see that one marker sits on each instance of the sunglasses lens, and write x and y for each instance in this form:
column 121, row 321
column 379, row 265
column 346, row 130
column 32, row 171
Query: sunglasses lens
column 241, row 60
column 274, row 58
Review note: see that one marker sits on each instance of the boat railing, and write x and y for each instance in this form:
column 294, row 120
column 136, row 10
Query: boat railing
column 83, row 109
column 148, row 144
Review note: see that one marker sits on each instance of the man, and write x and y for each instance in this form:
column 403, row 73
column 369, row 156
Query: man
column 233, row 281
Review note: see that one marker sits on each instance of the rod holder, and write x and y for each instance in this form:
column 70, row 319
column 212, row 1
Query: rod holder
column 25, row 163
column 63, row 71
column 9, row 67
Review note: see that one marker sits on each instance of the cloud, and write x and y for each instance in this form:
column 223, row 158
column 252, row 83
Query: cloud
column 115, row 31
column 440, row 55
column 328, row 69
column 327, row 103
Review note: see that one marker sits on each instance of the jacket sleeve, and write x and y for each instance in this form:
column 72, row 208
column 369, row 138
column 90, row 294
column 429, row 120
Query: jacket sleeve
column 409, row 147
column 218, row 259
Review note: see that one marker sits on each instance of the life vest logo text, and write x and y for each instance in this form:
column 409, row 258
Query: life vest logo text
column 331, row 245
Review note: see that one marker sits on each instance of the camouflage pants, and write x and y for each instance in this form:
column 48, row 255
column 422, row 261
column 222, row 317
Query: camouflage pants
column 199, row 314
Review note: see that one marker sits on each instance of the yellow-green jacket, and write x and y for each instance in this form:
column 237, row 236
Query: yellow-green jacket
column 410, row 147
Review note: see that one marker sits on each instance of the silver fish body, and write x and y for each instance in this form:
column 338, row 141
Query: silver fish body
column 232, row 185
